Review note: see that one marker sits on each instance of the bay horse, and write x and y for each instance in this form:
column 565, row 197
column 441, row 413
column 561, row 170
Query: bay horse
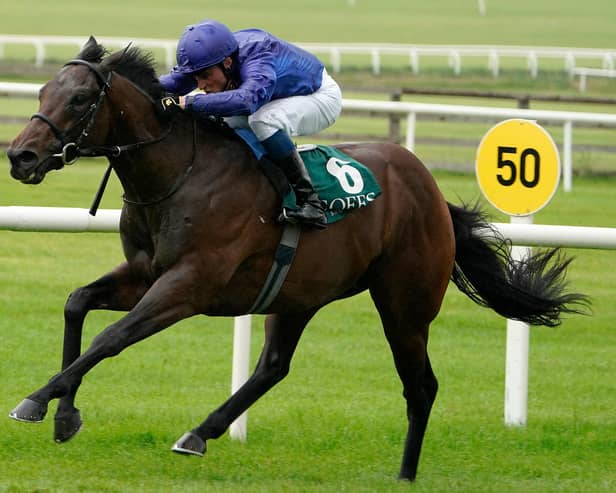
column 198, row 234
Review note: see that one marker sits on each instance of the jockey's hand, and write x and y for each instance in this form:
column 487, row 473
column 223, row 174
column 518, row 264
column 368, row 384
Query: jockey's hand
column 170, row 104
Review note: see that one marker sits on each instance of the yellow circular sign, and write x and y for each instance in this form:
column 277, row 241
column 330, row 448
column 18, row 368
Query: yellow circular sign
column 517, row 167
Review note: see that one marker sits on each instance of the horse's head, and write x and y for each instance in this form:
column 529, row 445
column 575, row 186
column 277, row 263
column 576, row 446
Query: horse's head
column 68, row 106
column 75, row 110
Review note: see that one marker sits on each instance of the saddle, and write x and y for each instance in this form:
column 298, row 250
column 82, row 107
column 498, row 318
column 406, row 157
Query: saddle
column 342, row 183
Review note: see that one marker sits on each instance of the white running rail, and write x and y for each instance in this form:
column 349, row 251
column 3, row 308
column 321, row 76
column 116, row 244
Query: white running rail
column 67, row 219
column 410, row 110
column 411, row 52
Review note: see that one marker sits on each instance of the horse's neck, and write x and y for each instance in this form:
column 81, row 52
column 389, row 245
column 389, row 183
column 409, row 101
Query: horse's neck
column 154, row 171
column 188, row 149
column 148, row 172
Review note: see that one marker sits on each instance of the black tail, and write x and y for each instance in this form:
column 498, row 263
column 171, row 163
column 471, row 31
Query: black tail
column 531, row 290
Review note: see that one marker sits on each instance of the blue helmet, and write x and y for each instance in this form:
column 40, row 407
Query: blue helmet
column 204, row 45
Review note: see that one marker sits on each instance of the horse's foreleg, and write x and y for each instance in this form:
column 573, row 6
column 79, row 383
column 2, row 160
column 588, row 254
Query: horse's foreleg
column 282, row 333
column 166, row 302
column 118, row 290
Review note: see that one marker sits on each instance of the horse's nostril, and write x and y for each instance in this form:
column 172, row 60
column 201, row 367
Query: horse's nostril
column 22, row 158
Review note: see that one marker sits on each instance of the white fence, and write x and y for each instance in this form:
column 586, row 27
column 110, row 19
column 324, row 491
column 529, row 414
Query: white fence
column 42, row 43
column 584, row 72
column 454, row 55
column 411, row 110
column 78, row 220
column 335, row 51
column 566, row 118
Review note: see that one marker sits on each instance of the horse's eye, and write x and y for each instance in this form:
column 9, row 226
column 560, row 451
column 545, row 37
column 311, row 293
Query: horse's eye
column 79, row 100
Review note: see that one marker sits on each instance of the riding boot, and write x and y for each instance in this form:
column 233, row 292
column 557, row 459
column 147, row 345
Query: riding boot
column 310, row 210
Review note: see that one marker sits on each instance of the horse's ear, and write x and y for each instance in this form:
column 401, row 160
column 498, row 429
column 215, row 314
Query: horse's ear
column 92, row 51
column 88, row 45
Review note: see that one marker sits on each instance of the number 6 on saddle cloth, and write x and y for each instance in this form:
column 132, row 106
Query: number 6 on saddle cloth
column 342, row 183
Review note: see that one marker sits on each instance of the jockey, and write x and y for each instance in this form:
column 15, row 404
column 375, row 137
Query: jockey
column 254, row 79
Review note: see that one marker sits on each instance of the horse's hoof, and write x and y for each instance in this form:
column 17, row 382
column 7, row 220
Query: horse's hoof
column 407, row 477
column 189, row 444
column 29, row 411
column 66, row 427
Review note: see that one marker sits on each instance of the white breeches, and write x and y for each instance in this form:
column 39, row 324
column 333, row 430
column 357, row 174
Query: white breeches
column 296, row 115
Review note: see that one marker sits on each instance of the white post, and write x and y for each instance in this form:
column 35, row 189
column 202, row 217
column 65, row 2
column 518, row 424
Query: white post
column 169, row 55
column 334, row 55
column 414, row 61
column 494, row 62
column 582, row 81
column 533, row 64
column 241, row 359
column 40, row 53
column 455, row 62
column 516, row 365
column 410, row 131
column 567, row 155
column 481, row 5
column 376, row 61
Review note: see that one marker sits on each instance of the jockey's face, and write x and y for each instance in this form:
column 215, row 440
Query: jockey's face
column 213, row 79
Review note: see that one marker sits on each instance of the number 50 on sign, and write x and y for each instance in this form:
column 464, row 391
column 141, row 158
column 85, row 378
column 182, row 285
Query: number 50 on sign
column 518, row 167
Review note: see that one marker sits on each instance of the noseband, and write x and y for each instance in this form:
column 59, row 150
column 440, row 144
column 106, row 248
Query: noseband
column 71, row 151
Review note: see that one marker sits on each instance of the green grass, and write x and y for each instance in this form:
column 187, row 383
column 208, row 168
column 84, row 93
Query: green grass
column 550, row 22
column 337, row 422
column 553, row 23
column 527, row 22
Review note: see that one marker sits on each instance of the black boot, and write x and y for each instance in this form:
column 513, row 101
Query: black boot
column 310, row 210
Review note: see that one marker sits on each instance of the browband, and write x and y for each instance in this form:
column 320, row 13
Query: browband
column 101, row 78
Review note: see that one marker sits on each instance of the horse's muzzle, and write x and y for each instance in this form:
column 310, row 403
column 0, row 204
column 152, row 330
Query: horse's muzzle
column 27, row 167
column 23, row 162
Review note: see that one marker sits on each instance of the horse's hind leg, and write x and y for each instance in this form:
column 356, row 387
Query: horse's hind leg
column 282, row 333
column 406, row 315
column 118, row 290
column 419, row 404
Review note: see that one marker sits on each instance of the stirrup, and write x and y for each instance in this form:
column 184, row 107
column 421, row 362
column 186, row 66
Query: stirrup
column 284, row 217
column 294, row 217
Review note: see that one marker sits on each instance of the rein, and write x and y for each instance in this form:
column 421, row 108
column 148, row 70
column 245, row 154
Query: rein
column 178, row 183
column 72, row 150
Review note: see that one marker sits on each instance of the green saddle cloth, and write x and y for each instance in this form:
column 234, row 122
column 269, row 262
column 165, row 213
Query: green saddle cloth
column 342, row 183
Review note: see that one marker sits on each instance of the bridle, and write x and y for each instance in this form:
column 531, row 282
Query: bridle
column 72, row 150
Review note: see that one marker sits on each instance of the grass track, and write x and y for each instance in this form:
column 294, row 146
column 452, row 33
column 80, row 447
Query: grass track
column 336, row 424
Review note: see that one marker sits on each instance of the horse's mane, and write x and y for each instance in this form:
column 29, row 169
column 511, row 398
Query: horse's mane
column 139, row 67
column 133, row 63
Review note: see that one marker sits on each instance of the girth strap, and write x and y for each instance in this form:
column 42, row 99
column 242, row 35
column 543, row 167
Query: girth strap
column 280, row 268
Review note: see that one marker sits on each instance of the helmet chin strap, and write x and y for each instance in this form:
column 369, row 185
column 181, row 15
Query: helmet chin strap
column 231, row 84
column 230, row 73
